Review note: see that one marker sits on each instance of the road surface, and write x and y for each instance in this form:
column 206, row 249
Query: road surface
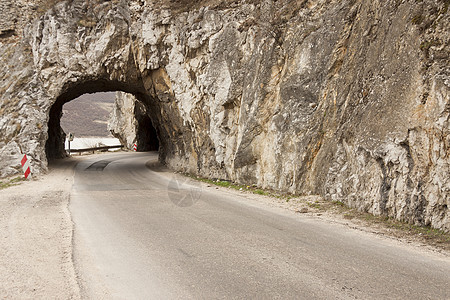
column 141, row 232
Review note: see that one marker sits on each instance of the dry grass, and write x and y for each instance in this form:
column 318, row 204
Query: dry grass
column 316, row 205
column 6, row 183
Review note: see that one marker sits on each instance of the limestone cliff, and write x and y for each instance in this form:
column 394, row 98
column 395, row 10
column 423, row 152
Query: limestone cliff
column 347, row 99
column 122, row 122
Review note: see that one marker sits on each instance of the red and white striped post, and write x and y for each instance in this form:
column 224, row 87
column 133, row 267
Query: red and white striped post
column 25, row 166
column 135, row 147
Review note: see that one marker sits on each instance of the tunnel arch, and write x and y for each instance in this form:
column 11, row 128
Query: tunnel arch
column 148, row 133
column 76, row 49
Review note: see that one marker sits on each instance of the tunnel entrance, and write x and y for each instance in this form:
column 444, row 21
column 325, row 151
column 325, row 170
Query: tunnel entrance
column 131, row 110
column 147, row 136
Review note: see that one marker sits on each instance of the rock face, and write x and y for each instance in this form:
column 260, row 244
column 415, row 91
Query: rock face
column 122, row 122
column 131, row 124
column 346, row 99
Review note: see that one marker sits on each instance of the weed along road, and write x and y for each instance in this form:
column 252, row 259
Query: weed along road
column 142, row 232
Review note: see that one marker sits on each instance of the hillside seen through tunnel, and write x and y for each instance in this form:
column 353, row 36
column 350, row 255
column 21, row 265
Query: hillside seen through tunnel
column 96, row 120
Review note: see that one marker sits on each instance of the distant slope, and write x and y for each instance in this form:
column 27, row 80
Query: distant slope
column 88, row 115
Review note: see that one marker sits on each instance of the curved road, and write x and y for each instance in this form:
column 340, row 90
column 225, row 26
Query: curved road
column 141, row 232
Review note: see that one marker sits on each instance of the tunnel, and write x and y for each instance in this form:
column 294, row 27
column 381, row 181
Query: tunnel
column 147, row 137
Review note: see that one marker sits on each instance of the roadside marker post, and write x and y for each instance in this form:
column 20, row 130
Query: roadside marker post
column 25, row 166
column 135, row 147
column 70, row 139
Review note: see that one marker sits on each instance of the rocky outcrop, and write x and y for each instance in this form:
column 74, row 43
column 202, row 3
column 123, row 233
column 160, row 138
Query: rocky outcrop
column 131, row 124
column 346, row 99
column 122, row 122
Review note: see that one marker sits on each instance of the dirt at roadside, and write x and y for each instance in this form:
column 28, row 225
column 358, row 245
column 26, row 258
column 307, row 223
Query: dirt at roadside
column 423, row 238
column 36, row 238
column 338, row 213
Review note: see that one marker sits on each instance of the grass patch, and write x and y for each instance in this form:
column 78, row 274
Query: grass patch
column 11, row 182
column 242, row 187
column 218, row 182
column 339, row 203
column 349, row 216
column 389, row 226
column 260, row 192
column 315, row 205
column 426, row 234
column 223, row 183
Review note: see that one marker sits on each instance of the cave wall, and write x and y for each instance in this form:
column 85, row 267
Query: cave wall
column 346, row 99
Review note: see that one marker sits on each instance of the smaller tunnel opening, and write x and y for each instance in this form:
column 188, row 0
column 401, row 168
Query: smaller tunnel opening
column 146, row 135
column 133, row 124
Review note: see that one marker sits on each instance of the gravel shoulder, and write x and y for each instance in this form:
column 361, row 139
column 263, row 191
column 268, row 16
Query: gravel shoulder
column 36, row 238
column 314, row 206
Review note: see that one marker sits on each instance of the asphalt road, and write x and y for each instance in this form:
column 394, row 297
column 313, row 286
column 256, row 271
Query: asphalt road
column 141, row 232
